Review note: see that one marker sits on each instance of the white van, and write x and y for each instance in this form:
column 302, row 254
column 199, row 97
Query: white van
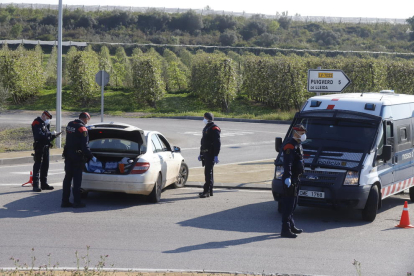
column 359, row 150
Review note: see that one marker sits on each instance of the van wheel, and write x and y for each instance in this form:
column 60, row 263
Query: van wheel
column 412, row 194
column 182, row 176
column 370, row 211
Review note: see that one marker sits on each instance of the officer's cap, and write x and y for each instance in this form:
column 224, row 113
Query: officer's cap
column 209, row 116
column 84, row 115
column 47, row 114
column 299, row 127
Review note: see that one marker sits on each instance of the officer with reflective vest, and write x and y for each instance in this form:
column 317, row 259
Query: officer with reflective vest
column 42, row 141
column 209, row 151
column 293, row 167
column 76, row 153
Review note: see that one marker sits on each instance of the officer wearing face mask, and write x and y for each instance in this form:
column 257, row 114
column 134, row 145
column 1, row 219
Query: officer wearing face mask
column 42, row 141
column 293, row 167
column 209, row 151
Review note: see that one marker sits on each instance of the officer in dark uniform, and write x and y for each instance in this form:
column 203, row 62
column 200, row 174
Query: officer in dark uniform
column 209, row 151
column 42, row 141
column 75, row 152
column 293, row 167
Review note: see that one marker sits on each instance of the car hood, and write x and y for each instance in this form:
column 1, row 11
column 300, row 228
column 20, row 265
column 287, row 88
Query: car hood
column 118, row 131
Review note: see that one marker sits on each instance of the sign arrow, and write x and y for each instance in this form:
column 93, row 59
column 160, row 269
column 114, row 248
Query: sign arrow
column 327, row 81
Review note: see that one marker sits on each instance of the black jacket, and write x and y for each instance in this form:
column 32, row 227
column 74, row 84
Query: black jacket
column 210, row 142
column 77, row 140
column 41, row 133
column 292, row 159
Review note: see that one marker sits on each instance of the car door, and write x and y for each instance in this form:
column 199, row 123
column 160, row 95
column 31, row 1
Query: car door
column 172, row 168
column 158, row 159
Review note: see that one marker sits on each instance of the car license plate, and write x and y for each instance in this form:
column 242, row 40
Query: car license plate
column 311, row 194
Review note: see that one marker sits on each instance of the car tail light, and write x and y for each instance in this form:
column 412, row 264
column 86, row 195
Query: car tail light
column 140, row 167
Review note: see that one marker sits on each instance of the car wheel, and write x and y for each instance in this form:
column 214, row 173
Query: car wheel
column 371, row 207
column 155, row 195
column 182, row 176
column 412, row 194
column 83, row 193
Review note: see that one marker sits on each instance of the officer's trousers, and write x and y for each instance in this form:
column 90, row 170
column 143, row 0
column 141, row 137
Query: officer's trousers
column 290, row 201
column 41, row 165
column 73, row 171
column 208, row 172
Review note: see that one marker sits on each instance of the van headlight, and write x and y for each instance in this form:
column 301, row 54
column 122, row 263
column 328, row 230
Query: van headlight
column 279, row 172
column 351, row 178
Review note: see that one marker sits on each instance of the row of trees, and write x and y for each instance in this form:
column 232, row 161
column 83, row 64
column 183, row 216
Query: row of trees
column 195, row 29
column 214, row 78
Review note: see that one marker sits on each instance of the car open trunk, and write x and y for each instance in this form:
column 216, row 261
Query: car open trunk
column 116, row 146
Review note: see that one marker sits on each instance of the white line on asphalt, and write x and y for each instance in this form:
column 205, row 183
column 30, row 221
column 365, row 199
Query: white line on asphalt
column 237, row 145
column 52, row 184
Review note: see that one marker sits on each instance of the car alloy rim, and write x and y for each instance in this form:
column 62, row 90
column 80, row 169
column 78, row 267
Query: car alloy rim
column 183, row 174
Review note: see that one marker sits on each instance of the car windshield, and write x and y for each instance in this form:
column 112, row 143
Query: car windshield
column 114, row 145
column 339, row 134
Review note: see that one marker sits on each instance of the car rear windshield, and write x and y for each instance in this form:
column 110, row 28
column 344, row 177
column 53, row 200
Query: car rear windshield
column 114, row 145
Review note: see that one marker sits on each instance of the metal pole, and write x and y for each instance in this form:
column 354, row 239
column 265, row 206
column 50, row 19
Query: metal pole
column 59, row 79
column 102, row 95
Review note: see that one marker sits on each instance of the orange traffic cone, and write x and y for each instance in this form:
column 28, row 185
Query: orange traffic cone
column 30, row 180
column 405, row 218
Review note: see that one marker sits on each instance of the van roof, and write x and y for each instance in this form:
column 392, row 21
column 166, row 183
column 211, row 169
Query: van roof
column 357, row 101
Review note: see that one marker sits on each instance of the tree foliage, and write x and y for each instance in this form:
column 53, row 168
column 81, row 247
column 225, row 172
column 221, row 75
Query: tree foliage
column 82, row 70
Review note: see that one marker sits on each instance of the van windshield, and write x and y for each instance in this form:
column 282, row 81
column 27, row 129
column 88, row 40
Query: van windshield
column 339, row 134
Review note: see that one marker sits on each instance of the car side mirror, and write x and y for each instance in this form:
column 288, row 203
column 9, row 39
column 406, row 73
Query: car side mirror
column 177, row 149
column 386, row 152
column 278, row 143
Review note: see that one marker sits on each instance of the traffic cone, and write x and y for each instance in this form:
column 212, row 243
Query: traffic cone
column 30, row 180
column 405, row 218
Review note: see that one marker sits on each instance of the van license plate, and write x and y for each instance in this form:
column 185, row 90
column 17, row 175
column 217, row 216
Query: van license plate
column 311, row 194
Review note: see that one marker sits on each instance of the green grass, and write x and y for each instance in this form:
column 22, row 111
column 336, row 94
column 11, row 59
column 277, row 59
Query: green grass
column 16, row 139
column 173, row 104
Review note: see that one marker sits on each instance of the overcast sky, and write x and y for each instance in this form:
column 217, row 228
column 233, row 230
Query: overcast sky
column 398, row 9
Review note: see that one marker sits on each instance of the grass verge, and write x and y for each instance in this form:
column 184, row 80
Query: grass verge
column 120, row 102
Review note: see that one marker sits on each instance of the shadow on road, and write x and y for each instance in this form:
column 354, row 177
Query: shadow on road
column 48, row 202
column 264, row 218
column 223, row 244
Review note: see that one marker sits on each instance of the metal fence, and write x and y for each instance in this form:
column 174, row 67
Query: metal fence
column 325, row 19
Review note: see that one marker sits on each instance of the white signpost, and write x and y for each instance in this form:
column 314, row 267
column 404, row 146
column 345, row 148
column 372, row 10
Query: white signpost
column 327, row 81
column 102, row 79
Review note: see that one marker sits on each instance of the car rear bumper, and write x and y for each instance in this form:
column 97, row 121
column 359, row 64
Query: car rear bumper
column 130, row 184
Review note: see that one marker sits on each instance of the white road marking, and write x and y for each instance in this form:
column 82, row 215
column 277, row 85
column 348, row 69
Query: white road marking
column 237, row 145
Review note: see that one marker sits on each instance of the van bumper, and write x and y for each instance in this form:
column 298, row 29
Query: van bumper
column 336, row 196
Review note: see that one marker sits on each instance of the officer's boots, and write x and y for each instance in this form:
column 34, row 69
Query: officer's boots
column 36, row 188
column 204, row 194
column 296, row 230
column 287, row 233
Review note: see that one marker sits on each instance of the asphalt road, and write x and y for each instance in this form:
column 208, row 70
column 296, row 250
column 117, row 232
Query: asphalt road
column 232, row 231
column 241, row 142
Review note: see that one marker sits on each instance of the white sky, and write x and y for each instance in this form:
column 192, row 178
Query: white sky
column 396, row 9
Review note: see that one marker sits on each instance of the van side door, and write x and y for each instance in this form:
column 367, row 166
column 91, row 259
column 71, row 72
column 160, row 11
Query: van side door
column 385, row 168
column 404, row 152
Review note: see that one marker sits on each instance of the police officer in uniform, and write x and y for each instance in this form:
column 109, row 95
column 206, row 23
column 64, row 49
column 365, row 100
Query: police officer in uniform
column 42, row 141
column 209, row 151
column 293, row 167
column 75, row 152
